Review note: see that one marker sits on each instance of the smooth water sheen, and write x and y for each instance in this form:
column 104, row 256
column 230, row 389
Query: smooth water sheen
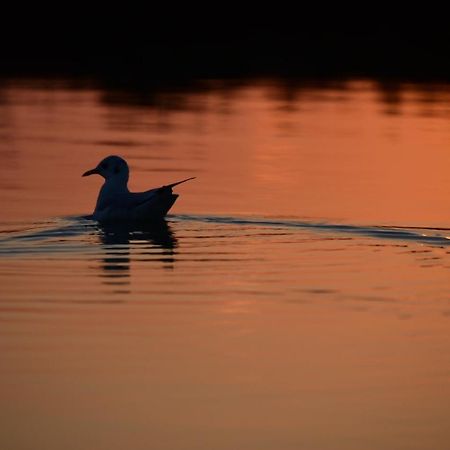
column 297, row 297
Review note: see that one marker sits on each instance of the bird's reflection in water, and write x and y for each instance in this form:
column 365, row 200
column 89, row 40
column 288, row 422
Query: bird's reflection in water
column 123, row 243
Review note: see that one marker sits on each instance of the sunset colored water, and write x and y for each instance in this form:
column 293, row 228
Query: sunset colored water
column 298, row 296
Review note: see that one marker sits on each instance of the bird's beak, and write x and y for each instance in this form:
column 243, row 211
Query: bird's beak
column 90, row 172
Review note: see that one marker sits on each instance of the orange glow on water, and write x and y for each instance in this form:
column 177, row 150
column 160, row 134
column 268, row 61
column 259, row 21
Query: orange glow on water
column 331, row 155
column 224, row 334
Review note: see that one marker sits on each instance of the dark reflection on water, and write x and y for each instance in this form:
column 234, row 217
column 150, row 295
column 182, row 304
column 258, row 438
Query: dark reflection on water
column 288, row 91
column 118, row 241
column 390, row 95
column 115, row 246
column 186, row 95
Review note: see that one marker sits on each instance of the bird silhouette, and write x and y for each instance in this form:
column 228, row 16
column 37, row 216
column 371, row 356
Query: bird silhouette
column 115, row 203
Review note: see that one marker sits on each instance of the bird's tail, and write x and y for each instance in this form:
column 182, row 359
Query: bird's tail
column 170, row 186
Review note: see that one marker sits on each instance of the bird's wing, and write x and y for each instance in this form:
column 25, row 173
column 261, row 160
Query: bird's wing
column 132, row 200
column 138, row 198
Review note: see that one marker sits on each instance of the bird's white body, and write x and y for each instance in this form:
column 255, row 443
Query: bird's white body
column 115, row 203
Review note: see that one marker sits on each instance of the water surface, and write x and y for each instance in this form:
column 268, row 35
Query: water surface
column 296, row 297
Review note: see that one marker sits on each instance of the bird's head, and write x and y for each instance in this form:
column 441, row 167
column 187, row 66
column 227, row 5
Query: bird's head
column 112, row 167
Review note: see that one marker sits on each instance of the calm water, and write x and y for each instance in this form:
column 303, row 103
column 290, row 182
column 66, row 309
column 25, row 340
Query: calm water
column 298, row 296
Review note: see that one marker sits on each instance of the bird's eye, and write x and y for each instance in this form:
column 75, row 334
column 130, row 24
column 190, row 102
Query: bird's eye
column 116, row 169
column 104, row 166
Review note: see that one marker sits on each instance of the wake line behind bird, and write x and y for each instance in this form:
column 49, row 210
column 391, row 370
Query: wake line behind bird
column 115, row 203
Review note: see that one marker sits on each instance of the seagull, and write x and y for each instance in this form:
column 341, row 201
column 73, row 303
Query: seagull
column 115, row 203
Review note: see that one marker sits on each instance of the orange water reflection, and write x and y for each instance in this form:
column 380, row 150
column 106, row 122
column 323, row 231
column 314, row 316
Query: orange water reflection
column 299, row 348
column 347, row 153
column 211, row 335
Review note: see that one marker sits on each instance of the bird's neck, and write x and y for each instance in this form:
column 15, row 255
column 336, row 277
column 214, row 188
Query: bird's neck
column 109, row 191
column 115, row 185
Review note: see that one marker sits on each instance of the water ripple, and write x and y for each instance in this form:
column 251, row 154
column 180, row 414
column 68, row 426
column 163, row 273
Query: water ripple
column 433, row 236
column 78, row 234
